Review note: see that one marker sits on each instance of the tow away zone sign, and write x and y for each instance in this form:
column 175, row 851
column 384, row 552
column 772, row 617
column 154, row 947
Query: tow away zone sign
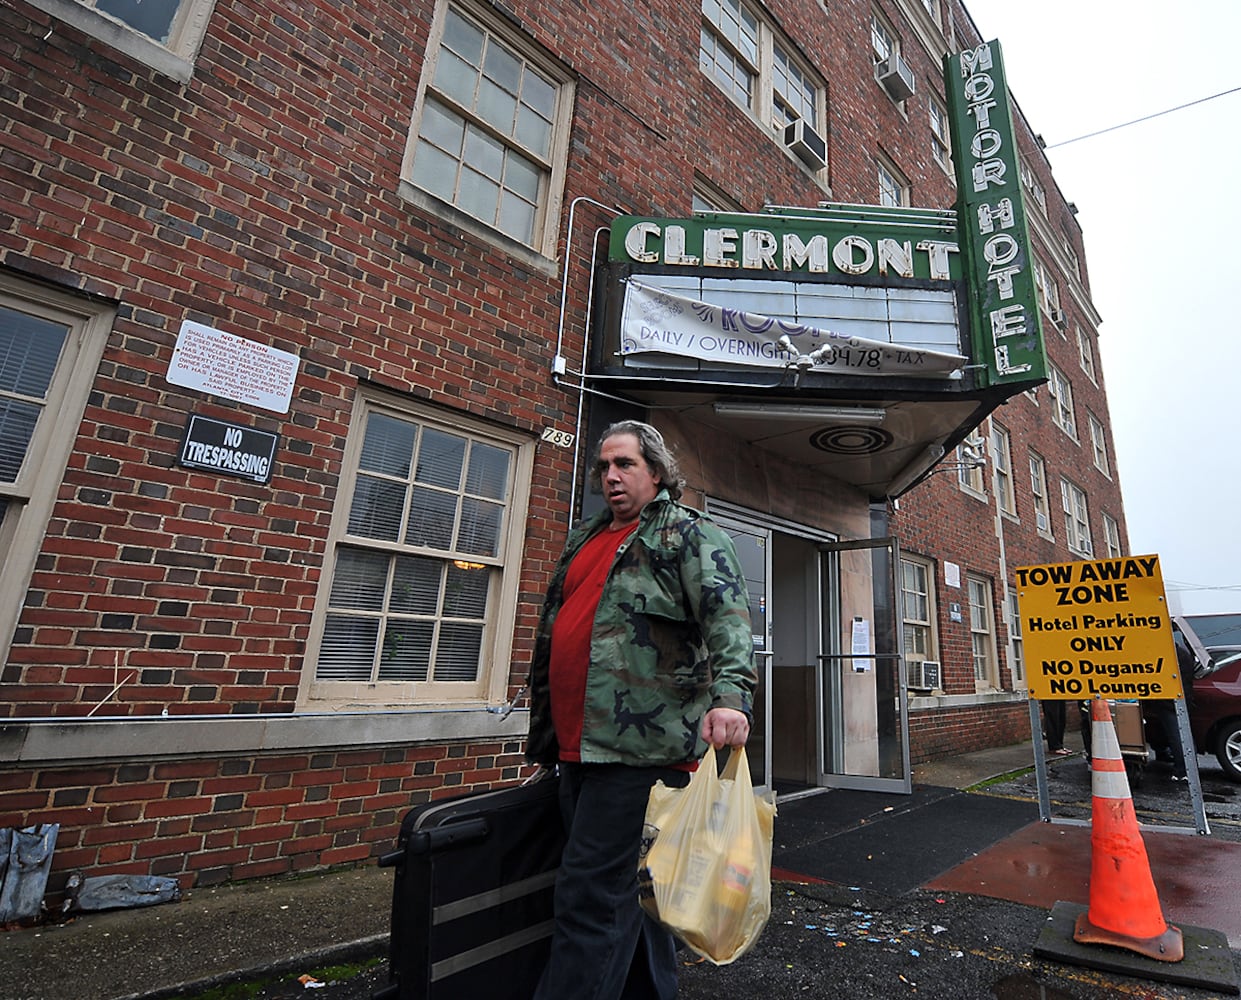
column 1097, row 629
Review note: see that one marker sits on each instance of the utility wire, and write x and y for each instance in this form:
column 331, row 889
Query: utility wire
column 1157, row 114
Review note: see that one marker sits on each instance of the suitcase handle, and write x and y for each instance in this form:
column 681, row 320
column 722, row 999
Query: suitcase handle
column 466, row 831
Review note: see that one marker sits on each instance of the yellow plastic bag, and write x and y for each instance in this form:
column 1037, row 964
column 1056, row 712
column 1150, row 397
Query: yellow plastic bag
column 705, row 868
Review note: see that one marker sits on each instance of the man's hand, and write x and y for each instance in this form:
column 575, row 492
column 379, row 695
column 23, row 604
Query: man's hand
column 722, row 726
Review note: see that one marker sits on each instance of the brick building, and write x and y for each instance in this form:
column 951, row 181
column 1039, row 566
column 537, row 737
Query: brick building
column 312, row 314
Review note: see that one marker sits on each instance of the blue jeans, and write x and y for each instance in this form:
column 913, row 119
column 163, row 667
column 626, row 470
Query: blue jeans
column 604, row 946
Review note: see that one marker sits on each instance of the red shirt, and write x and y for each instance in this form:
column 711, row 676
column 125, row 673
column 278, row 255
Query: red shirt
column 570, row 656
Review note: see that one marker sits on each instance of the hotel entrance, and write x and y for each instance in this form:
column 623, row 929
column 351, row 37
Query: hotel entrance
column 828, row 709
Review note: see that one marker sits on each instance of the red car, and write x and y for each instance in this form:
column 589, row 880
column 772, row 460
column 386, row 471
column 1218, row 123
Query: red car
column 1215, row 706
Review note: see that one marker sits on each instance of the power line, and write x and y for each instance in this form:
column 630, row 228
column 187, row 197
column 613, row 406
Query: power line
column 1136, row 121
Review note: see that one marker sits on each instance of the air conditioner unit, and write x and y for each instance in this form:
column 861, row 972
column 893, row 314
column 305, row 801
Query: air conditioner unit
column 1057, row 316
column 1041, row 521
column 809, row 146
column 896, row 77
column 923, row 676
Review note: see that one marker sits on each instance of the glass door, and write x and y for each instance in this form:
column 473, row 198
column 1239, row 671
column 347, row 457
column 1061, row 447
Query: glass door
column 860, row 686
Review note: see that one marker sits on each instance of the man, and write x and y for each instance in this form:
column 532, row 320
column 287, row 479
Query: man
column 643, row 656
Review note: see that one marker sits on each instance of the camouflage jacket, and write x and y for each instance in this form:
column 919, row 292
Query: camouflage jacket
column 671, row 639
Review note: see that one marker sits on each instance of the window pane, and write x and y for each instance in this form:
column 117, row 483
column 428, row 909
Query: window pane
column 533, row 131
column 502, row 67
column 151, row 17
column 388, row 446
column 522, row 177
column 431, row 517
column 360, row 580
column 17, row 423
column 435, row 171
column 442, row 127
column 463, row 37
column 465, row 592
column 488, row 472
column 376, row 509
column 440, row 459
column 480, row 527
column 457, row 655
column 416, row 585
column 29, row 350
column 497, row 106
column 483, row 153
column 347, row 652
column 517, row 217
column 456, row 78
column 406, row 651
column 478, row 195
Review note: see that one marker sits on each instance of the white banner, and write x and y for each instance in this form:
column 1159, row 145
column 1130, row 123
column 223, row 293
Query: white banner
column 657, row 321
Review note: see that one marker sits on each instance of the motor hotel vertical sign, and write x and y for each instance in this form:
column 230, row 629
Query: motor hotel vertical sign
column 1097, row 629
column 1005, row 326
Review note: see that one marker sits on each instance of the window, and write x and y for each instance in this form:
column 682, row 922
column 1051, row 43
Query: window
column 709, row 198
column 1098, row 445
column 893, row 188
column 1048, row 293
column 745, row 56
column 50, row 346
column 941, row 142
column 971, row 457
column 420, row 549
column 1076, row 519
column 1038, row 489
column 1070, row 253
column 982, row 632
column 917, row 609
column 1111, row 537
column 884, row 42
column 1015, row 638
column 1002, row 467
column 1085, row 354
column 1031, row 183
column 1061, row 392
column 164, row 34
column 932, row 8
column 491, row 128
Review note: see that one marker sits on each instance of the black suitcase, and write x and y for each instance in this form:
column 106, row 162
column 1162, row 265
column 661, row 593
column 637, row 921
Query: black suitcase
column 472, row 898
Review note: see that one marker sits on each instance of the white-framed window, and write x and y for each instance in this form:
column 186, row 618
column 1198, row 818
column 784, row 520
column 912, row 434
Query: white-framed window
column 747, row 57
column 970, row 461
column 1076, row 519
column 709, row 198
column 941, row 141
column 50, row 346
column 415, row 605
column 1098, row 444
column 982, row 632
column 1085, row 354
column 1002, row 468
column 1048, row 292
column 163, row 34
column 1111, row 536
column 884, row 42
column 1061, row 392
column 918, row 609
column 490, row 132
column 1016, row 641
column 1070, row 253
column 932, row 8
column 893, row 187
column 1033, row 185
column 1038, row 490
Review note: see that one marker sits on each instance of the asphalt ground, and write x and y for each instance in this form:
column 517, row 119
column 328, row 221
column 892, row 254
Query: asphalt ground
column 881, row 927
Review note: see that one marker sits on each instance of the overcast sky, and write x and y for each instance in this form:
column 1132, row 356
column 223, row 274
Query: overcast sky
column 1160, row 207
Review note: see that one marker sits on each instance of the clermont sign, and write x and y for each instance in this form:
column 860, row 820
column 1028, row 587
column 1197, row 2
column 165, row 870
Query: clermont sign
column 995, row 242
column 1097, row 629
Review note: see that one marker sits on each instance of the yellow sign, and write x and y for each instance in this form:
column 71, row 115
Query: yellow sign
column 1097, row 629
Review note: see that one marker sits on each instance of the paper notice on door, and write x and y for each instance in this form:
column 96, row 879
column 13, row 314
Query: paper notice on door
column 861, row 646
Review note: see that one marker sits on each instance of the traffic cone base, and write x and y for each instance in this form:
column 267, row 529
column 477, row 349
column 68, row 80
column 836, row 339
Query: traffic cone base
column 1167, row 947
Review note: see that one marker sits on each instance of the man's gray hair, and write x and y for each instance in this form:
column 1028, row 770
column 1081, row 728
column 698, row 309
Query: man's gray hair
column 654, row 450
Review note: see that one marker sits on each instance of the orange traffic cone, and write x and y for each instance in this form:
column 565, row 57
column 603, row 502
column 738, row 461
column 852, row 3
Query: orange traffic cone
column 1124, row 907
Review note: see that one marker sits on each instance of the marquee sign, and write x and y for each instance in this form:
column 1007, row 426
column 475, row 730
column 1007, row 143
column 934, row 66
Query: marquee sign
column 1007, row 334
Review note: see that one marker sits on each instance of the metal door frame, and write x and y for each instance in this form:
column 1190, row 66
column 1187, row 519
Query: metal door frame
column 829, row 660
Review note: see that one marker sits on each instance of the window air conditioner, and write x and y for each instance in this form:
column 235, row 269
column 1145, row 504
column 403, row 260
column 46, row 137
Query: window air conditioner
column 923, row 676
column 1040, row 520
column 896, row 77
column 1057, row 316
column 806, row 143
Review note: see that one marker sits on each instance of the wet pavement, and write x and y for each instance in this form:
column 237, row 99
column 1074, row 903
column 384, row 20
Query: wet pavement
column 943, row 893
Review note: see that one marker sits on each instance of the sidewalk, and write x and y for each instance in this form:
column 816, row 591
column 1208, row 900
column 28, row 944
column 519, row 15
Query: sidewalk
column 290, row 926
